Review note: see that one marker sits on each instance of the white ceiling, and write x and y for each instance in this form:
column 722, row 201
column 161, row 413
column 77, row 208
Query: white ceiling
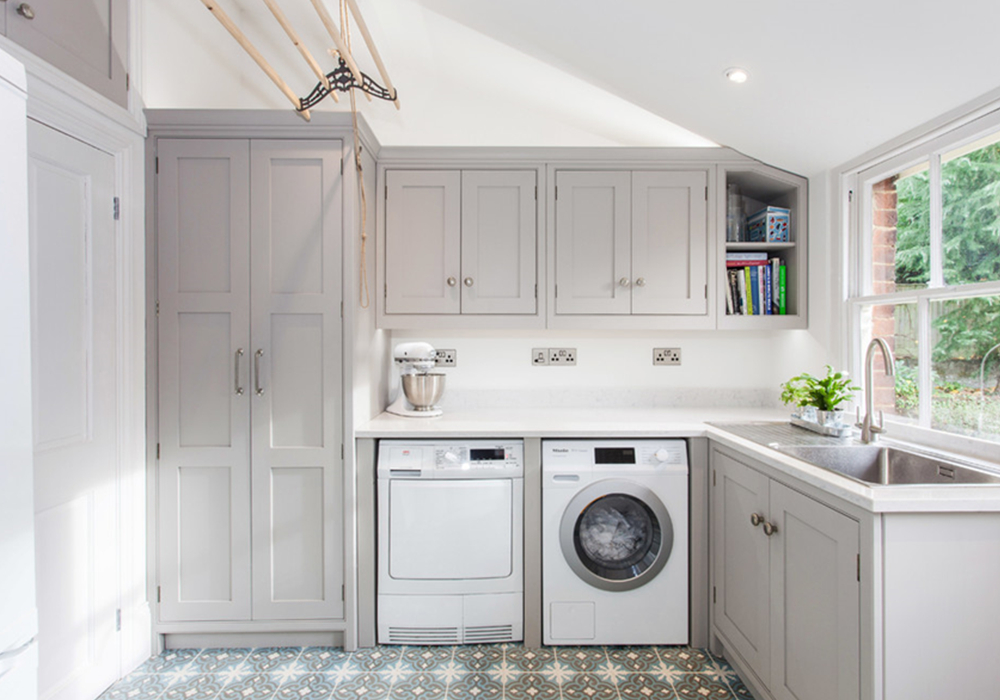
column 828, row 80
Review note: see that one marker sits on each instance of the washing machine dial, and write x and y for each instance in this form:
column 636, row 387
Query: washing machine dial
column 451, row 457
column 661, row 455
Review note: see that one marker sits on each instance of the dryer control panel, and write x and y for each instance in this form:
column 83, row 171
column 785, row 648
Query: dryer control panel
column 468, row 459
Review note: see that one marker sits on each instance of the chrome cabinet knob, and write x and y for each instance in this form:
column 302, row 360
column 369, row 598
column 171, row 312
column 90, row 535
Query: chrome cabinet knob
column 452, row 281
column 24, row 9
column 770, row 529
column 641, row 282
column 623, row 282
column 756, row 519
column 468, row 281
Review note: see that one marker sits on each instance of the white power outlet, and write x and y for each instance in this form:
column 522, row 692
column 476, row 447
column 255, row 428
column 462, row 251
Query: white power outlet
column 562, row 356
column 666, row 356
column 539, row 356
column 446, row 358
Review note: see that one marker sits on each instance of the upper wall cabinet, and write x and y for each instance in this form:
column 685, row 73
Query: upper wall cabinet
column 85, row 40
column 457, row 245
column 630, row 243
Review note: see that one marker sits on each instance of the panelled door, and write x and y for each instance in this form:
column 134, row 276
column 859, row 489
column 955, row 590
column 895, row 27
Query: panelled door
column 669, row 242
column 296, row 385
column 593, row 256
column 498, row 242
column 423, row 230
column 74, row 348
column 204, row 360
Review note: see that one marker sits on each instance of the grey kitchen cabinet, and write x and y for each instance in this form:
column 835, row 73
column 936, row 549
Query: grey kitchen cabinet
column 631, row 242
column 86, row 40
column 250, row 475
column 460, row 242
column 786, row 589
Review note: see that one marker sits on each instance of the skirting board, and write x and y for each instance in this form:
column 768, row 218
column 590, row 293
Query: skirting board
column 253, row 640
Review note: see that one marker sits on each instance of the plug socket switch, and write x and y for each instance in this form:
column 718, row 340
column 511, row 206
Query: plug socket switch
column 666, row 356
column 446, row 358
column 562, row 356
column 539, row 356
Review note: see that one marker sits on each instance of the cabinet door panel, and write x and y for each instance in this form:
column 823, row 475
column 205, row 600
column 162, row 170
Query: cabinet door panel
column 203, row 290
column 669, row 243
column 592, row 242
column 498, row 242
column 85, row 39
column 741, row 560
column 423, row 241
column 295, row 301
column 815, row 615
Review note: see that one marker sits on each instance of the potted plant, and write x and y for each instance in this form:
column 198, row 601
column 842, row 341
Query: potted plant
column 823, row 396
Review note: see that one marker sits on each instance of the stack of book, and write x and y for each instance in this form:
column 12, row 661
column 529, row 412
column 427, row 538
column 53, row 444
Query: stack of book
column 756, row 285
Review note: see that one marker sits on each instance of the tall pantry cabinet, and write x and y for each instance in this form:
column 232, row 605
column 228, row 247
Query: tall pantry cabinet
column 250, row 502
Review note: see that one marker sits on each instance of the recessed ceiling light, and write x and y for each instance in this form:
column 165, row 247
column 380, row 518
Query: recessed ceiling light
column 737, row 75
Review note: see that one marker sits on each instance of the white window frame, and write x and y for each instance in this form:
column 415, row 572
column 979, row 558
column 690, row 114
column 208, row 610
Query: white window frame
column 856, row 186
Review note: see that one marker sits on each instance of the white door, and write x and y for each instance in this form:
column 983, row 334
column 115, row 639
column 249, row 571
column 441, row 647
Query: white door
column 815, row 615
column 423, row 241
column 669, row 242
column 296, row 384
column 498, row 242
column 204, row 402
column 742, row 560
column 593, row 261
column 74, row 368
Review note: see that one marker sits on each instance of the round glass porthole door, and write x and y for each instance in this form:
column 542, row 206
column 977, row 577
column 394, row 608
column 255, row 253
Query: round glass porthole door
column 616, row 535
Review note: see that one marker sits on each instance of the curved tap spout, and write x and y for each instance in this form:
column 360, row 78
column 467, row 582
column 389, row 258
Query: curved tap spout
column 869, row 429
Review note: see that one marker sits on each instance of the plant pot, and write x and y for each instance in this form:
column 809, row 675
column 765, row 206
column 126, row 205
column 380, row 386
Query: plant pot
column 832, row 419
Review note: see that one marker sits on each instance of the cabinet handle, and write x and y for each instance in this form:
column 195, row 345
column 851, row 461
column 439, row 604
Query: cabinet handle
column 452, row 281
column 24, row 9
column 770, row 529
column 756, row 519
column 256, row 372
column 468, row 281
column 641, row 282
column 623, row 282
column 239, row 356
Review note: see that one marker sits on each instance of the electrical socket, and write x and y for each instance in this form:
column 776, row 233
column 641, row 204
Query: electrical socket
column 562, row 356
column 666, row 356
column 539, row 356
column 446, row 358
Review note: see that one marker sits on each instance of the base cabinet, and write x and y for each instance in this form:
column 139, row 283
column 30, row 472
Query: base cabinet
column 786, row 584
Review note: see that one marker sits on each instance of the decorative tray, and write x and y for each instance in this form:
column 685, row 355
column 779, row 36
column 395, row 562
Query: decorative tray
column 830, row 430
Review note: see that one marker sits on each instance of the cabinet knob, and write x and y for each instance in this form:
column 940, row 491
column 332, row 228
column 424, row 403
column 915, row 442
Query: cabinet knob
column 641, row 282
column 623, row 282
column 452, row 281
column 756, row 519
column 770, row 529
column 24, row 9
column 468, row 281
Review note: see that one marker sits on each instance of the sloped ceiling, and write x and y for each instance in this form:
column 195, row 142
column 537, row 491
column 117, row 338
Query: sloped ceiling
column 828, row 80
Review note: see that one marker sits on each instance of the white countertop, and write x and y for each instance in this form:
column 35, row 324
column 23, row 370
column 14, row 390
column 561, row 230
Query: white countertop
column 681, row 422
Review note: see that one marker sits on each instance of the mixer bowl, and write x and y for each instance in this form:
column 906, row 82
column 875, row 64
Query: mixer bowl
column 423, row 390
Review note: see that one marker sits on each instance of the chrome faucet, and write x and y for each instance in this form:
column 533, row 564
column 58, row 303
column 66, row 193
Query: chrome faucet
column 869, row 429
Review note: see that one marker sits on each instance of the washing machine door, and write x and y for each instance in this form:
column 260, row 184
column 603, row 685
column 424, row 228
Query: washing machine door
column 616, row 535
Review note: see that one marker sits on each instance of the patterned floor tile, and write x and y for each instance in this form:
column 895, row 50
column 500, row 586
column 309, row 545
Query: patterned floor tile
column 377, row 658
column 479, row 657
column 696, row 686
column 367, row 686
column 315, row 686
column 475, row 686
column 322, row 659
column 136, row 687
column 587, row 686
column 531, row 686
column 583, row 659
column 204, row 687
column 218, row 660
column 740, row 691
column 259, row 686
column 686, row 658
column 427, row 658
column 528, row 659
column 270, row 659
column 168, row 660
column 421, row 686
column 642, row 686
column 634, row 659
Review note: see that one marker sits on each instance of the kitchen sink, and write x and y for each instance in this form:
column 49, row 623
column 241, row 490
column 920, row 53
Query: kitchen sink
column 879, row 464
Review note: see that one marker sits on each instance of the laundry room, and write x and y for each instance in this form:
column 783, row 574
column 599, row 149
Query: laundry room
column 463, row 350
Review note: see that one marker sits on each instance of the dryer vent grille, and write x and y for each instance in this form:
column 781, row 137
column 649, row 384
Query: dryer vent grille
column 485, row 634
column 424, row 635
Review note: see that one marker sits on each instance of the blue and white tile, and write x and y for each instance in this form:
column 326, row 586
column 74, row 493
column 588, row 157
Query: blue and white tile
column 528, row 659
column 169, row 660
column 428, row 658
column 582, row 659
column 218, row 660
column 314, row 686
column 642, row 686
column 377, row 658
column 479, row 657
column 271, row 659
column 323, row 659
column 634, row 659
column 686, row 658
column 258, row 686
column 475, row 686
column 421, row 686
column 136, row 687
column 367, row 686
column 587, row 686
column 201, row 687
column 531, row 686
column 697, row 686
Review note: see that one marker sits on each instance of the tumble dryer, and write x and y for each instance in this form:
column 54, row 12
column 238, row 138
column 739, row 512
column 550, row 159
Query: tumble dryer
column 615, row 542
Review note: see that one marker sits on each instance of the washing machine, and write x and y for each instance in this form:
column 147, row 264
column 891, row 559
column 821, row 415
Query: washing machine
column 615, row 542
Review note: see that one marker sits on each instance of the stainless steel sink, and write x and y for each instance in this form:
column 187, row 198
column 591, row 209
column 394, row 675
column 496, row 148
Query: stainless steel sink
column 879, row 464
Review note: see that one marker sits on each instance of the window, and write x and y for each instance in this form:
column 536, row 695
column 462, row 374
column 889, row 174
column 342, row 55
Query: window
column 926, row 237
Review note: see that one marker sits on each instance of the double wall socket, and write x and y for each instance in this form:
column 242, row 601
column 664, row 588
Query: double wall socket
column 666, row 356
column 446, row 358
column 553, row 356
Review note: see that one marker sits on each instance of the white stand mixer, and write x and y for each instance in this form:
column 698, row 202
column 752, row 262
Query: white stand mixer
column 420, row 388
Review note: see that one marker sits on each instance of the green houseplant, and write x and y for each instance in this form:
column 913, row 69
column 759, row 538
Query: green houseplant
column 824, row 395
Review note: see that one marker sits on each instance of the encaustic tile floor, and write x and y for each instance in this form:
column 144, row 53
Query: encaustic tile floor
column 491, row 672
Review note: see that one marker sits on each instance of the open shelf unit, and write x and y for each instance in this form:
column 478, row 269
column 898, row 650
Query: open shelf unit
column 762, row 186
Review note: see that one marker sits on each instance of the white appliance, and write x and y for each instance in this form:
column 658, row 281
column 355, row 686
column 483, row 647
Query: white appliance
column 615, row 542
column 18, row 617
column 419, row 388
column 450, row 541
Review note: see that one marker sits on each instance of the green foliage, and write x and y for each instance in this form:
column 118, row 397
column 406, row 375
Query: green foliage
column 907, row 390
column 825, row 394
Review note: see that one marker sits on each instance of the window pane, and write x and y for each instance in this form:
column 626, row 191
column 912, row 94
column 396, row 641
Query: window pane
column 901, row 237
column 897, row 324
column 966, row 366
column 970, row 189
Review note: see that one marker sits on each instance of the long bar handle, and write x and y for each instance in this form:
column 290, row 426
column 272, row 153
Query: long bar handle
column 258, row 389
column 236, row 378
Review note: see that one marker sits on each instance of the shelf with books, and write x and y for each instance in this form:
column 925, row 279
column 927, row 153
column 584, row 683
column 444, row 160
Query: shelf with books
column 772, row 273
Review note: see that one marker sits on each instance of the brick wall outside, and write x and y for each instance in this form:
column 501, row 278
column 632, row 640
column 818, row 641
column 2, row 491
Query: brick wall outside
column 884, row 282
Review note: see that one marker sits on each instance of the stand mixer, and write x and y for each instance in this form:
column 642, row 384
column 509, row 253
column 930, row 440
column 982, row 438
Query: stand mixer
column 420, row 388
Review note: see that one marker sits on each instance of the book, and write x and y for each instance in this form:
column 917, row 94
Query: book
column 744, row 263
column 768, row 290
column 775, row 286
column 739, row 298
column 746, row 256
column 754, row 290
column 782, row 291
column 746, row 288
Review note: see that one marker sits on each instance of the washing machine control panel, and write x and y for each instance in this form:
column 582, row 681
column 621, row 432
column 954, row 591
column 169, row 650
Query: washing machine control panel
column 612, row 454
column 442, row 460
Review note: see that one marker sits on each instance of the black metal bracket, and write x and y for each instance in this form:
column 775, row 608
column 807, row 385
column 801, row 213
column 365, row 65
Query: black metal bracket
column 342, row 79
